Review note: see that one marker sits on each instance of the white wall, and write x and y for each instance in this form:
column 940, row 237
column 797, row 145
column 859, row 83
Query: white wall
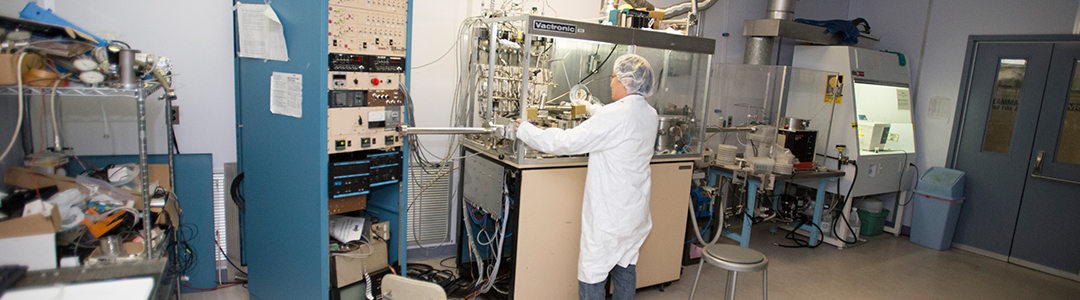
column 196, row 35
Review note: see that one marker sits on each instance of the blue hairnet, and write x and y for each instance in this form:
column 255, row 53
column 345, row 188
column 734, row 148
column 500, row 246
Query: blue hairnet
column 635, row 73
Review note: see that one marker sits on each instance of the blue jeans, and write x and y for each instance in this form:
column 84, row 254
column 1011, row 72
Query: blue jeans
column 624, row 280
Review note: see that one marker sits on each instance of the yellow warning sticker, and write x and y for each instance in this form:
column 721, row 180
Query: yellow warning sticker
column 834, row 88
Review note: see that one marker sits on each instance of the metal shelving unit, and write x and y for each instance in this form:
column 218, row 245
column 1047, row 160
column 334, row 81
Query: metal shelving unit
column 139, row 94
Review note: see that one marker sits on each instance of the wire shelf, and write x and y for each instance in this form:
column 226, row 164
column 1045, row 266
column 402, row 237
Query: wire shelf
column 148, row 88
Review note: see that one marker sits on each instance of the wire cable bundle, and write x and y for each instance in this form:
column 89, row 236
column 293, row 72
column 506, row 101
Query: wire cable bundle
column 185, row 256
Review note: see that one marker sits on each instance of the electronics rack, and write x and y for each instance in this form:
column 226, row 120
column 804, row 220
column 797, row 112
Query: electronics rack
column 291, row 164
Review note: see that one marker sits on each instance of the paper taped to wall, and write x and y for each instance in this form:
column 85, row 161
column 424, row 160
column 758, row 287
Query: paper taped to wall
column 940, row 109
column 261, row 32
column 286, row 94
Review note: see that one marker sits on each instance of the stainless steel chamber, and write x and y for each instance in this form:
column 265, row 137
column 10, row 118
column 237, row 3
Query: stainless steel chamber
column 530, row 67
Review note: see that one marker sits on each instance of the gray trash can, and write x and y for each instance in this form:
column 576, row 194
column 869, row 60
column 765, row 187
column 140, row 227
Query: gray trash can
column 937, row 199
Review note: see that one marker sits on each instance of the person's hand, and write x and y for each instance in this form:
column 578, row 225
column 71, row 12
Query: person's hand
column 580, row 102
column 518, row 122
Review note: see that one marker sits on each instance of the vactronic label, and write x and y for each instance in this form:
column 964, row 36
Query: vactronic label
column 564, row 28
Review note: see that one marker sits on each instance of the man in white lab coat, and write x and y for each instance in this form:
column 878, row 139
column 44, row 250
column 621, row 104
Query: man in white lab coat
column 619, row 139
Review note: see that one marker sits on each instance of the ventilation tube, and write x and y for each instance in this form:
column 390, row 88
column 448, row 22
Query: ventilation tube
column 673, row 10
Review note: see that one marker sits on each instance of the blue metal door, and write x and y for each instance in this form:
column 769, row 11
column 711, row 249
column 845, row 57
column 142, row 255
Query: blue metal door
column 1047, row 237
column 1004, row 97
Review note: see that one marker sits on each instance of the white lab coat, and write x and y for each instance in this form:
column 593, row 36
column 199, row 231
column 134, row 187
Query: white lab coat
column 615, row 211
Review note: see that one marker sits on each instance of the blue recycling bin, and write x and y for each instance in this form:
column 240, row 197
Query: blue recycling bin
column 937, row 199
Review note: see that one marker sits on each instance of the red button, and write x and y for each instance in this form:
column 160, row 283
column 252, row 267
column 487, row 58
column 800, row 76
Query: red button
column 374, row 81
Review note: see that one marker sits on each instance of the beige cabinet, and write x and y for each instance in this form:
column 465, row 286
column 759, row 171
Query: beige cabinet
column 549, row 230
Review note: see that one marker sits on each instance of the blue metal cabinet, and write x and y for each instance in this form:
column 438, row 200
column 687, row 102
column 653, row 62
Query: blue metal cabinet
column 284, row 159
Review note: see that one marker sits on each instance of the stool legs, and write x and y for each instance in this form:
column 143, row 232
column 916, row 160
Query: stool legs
column 731, row 283
column 732, row 276
column 765, row 284
column 694, row 288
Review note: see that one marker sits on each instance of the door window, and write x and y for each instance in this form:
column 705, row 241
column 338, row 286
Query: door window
column 1003, row 107
column 1069, row 143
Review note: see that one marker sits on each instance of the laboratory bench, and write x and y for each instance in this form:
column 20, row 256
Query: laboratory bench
column 776, row 182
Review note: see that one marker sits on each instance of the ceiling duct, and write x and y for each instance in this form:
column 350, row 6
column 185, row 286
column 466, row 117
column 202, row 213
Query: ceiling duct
column 674, row 10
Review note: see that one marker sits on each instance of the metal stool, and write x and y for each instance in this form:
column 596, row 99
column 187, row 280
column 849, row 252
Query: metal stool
column 734, row 259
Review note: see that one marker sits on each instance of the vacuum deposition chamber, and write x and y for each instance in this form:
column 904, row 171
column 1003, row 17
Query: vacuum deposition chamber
column 531, row 67
column 541, row 64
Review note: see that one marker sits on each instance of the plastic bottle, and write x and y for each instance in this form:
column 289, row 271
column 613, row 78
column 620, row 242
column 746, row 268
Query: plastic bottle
column 853, row 219
column 826, row 226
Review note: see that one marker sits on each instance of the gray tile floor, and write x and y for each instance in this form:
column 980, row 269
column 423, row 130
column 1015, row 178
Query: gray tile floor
column 886, row 267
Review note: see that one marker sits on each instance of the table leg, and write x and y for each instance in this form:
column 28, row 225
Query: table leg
column 751, row 195
column 777, row 192
column 819, row 205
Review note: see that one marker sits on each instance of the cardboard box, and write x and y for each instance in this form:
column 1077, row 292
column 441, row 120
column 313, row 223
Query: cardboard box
column 351, row 270
column 30, row 240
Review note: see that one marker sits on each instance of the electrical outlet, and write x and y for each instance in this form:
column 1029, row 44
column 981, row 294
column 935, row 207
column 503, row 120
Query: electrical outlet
column 381, row 230
column 176, row 115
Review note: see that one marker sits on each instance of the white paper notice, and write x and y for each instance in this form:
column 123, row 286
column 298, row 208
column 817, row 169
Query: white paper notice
column 346, row 229
column 940, row 109
column 286, row 94
column 261, row 33
column 903, row 99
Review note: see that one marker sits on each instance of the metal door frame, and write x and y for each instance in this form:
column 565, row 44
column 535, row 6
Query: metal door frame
column 969, row 59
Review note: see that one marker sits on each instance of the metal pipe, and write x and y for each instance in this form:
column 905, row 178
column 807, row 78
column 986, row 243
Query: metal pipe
column 170, row 135
column 127, row 69
column 674, row 10
column 140, row 103
column 758, row 50
column 683, row 8
column 405, row 129
column 781, row 10
column 493, row 51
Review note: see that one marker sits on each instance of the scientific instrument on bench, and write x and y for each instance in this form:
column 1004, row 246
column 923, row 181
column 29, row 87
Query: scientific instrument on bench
column 532, row 67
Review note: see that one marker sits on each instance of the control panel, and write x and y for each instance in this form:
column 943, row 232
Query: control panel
column 391, row 6
column 362, row 128
column 385, row 168
column 364, row 80
column 349, row 175
column 347, row 98
column 367, row 30
column 366, row 63
column 361, row 98
column 355, row 173
column 385, row 98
